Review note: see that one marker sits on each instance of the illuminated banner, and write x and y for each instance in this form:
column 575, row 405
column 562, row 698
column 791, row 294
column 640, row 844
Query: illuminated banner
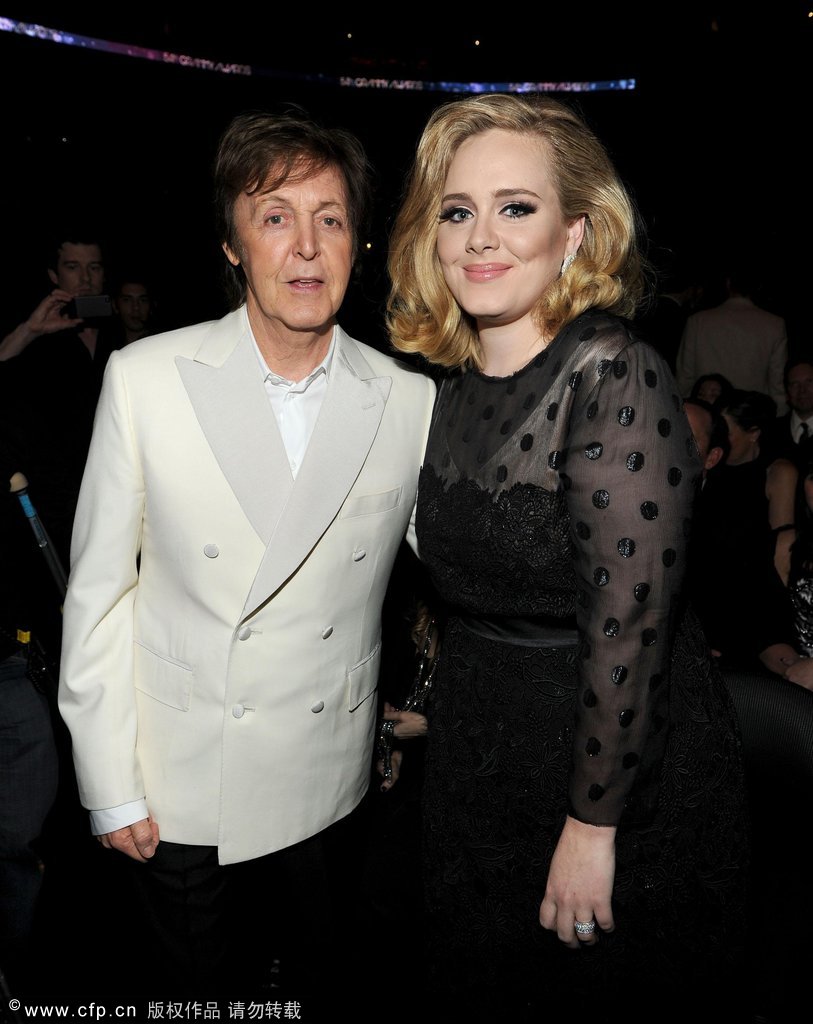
column 54, row 35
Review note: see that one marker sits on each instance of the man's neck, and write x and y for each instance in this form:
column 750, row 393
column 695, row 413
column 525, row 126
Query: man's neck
column 291, row 354
column 89, row 336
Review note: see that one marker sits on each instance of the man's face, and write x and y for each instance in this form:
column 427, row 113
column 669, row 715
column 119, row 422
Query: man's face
column 800, row 389
column 133, row 306
column 79, row 269
column 295, row 245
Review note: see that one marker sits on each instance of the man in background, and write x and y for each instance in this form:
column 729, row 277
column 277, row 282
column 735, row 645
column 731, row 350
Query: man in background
column 792, row 436
column 53, row 364
column 744, row 343
column 134, row 309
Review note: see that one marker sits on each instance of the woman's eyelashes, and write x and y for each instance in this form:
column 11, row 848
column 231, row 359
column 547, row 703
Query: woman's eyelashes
column 455, row 214
column 511, row 211
column 517, row 210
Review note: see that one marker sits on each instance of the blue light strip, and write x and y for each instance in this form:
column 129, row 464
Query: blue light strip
column 53, row 35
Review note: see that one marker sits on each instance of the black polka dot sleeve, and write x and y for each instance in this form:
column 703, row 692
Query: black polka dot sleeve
column 632, row 471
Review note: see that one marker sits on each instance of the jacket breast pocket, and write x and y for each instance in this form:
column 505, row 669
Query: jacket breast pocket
column 164, row 679
column 370, row 504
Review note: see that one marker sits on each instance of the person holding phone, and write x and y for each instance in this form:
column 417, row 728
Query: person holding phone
column 76, row 269
column 54, row 360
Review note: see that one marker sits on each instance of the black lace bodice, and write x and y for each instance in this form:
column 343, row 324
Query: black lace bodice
column 566, row 490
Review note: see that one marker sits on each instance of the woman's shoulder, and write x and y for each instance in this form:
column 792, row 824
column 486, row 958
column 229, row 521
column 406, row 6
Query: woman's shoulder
column 606, row 347
column 601, row 335
column 782, row 471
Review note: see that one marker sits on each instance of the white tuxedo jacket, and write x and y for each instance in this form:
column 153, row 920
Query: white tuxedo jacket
column 222, row 624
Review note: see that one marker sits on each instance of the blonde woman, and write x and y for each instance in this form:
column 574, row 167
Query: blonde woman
column 583, row 805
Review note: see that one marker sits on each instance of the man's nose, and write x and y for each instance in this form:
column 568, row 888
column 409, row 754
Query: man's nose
column 306, row 242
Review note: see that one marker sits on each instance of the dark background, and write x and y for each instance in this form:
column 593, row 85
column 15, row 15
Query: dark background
column 712, row 143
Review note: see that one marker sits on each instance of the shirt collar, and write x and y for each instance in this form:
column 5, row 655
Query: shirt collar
column 305, row 383
column 796, row 421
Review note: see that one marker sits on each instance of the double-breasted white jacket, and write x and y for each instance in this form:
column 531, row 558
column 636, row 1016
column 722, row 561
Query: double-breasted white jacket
column 223, row 621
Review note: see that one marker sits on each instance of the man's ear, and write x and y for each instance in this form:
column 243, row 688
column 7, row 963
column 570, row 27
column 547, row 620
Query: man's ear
column 713, row 457
column 53, row 277
column 231, row 255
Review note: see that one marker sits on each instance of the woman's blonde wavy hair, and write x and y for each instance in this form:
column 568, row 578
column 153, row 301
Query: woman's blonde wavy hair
column 608, row 274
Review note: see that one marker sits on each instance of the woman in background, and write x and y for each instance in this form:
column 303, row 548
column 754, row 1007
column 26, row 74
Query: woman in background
column 740, row 554
column 713, row 388
column 584, row 830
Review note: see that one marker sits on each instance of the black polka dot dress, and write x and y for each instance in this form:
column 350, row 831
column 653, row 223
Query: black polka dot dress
column 553, row 514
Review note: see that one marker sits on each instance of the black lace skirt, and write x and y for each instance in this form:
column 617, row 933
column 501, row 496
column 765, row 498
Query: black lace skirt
column 495, row 798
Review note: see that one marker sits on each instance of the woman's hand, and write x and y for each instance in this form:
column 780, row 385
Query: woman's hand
column 801, row 672
column 409, row 725
column 395, row 770
column 580, row 883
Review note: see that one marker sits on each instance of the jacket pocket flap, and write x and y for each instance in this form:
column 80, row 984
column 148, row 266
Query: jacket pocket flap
column 370, row 504
column 362, row 679
column 165, row 679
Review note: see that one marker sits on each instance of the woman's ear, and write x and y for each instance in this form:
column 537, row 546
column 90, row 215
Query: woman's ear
column 575, row 235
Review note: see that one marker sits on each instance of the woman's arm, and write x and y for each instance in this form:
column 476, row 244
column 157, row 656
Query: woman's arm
column 631, row 470
column 780, row 490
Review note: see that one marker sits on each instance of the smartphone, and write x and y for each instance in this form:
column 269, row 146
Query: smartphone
column 88, row 307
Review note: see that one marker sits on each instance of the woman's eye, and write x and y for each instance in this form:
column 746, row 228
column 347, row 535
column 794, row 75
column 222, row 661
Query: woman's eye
column 517, row 210
column 456, row 214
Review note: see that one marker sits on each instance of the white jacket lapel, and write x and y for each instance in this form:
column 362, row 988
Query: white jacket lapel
column 341, row 440
column 225, row 386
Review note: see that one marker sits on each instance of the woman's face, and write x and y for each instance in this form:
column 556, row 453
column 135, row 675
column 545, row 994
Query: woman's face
column 744, row 443
column 709, row 391
column 502, row 236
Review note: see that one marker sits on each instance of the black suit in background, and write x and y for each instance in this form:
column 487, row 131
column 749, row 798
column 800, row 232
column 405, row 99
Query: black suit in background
column 781, row 443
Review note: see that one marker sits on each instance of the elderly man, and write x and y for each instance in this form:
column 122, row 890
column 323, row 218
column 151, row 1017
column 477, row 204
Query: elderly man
column 248, row 486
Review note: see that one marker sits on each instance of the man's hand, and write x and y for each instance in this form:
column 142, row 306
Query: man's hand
column 46, row 319
column 137, row 840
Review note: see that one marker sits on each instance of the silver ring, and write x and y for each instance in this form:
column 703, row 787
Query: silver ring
column 584, row 927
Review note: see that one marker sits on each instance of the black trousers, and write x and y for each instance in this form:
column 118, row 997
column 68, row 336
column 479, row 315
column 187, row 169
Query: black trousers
column 284, row 926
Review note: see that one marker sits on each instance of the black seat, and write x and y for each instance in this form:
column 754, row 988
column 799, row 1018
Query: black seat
column 776, row 721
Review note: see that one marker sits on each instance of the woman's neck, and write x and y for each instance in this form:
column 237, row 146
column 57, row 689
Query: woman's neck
column 751, row 456
column 508, row 347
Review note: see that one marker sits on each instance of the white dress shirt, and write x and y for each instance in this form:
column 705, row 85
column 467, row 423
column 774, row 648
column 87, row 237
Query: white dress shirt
column 797, row 425
column 296, row 404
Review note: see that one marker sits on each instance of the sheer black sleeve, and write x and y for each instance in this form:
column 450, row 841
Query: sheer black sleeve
column 632, row 469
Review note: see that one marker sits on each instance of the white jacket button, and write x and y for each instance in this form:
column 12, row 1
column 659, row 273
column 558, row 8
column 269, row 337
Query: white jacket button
column 327, row 632
column 211, row 551
column 238, row 711
column 244, row 632
column 318, row 706
column 358, row 554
